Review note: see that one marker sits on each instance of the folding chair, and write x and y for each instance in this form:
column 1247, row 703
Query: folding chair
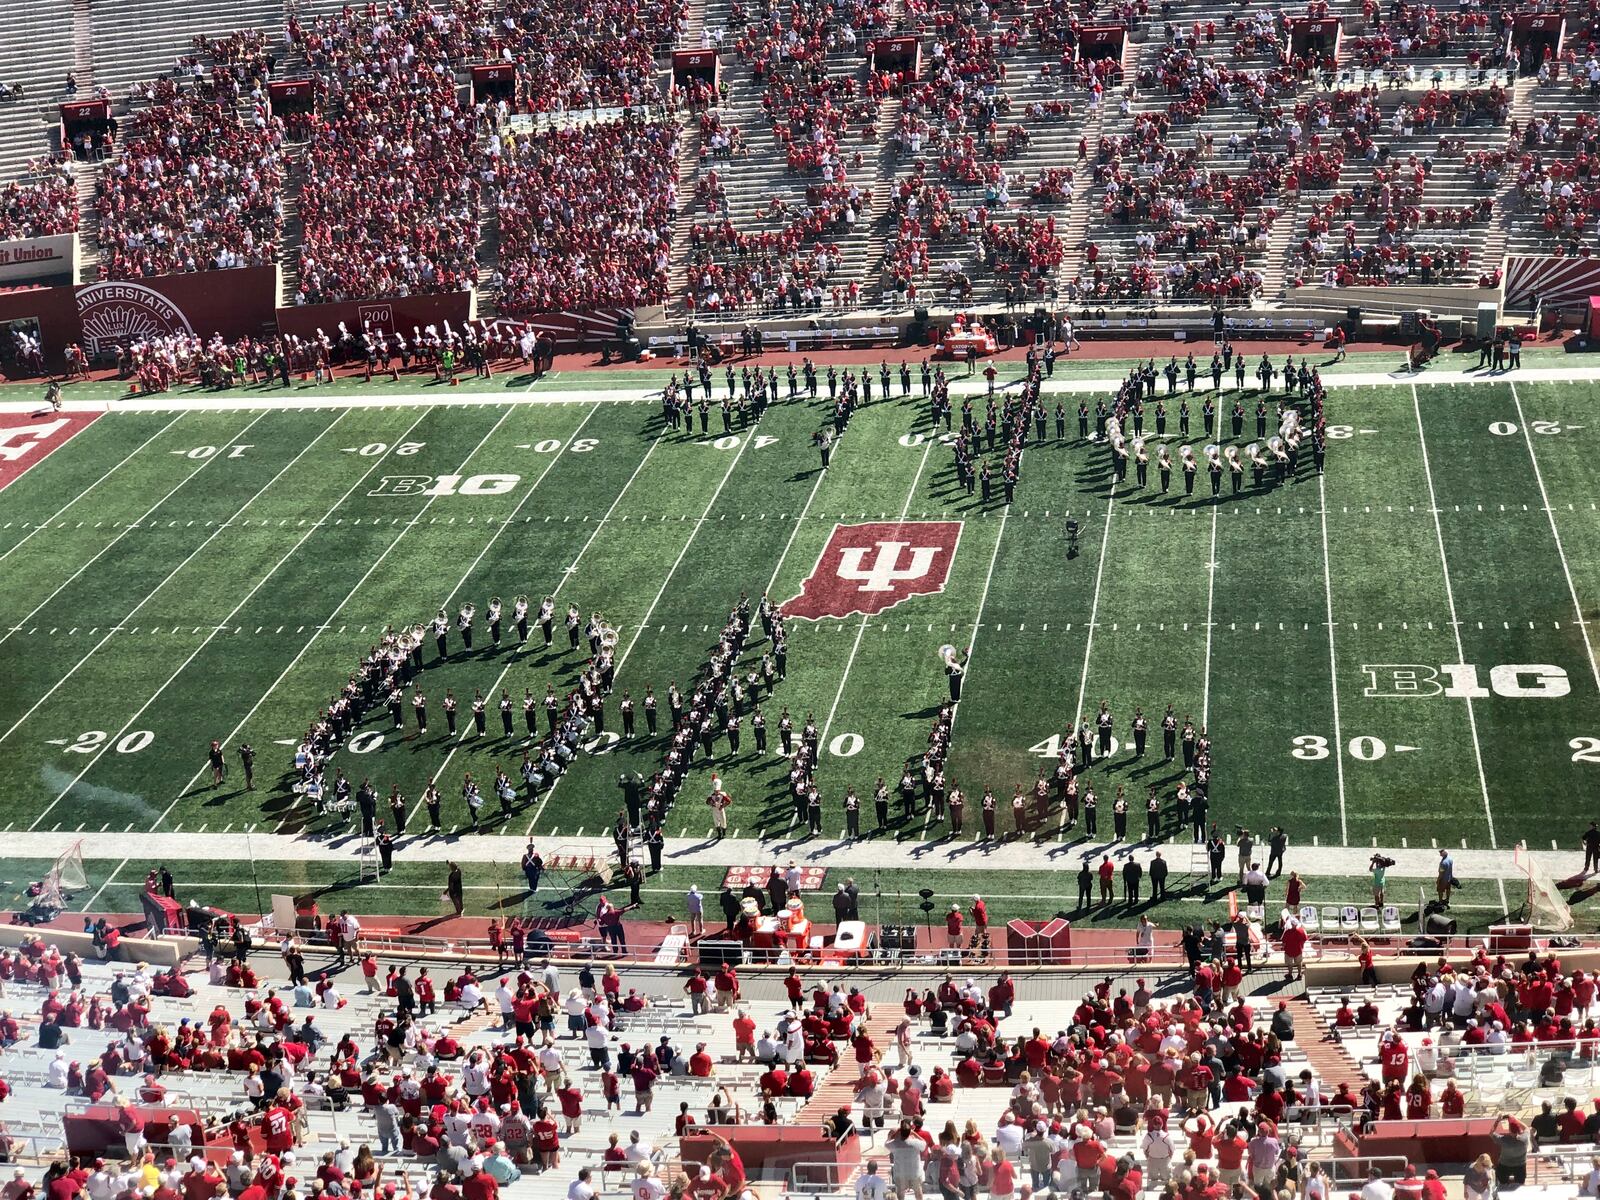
column 1330, row 919
column 1309, row 919
column 1391, row 919
column 1369, row 920
column 1349, row 918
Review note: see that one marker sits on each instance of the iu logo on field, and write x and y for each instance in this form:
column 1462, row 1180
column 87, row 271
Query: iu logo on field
column 865, row 569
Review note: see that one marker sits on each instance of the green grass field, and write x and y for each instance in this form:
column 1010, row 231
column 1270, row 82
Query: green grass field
column 160, row 595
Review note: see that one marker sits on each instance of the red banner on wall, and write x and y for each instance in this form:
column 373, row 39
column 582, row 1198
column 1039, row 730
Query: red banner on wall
column 235, row 304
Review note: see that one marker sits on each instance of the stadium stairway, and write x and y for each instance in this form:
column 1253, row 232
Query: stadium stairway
column 34, row 54
column 1329, row 1059
column 839, row 1088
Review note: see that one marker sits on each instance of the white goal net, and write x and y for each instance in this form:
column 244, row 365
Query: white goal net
column 1547, row 909
column 64, row 877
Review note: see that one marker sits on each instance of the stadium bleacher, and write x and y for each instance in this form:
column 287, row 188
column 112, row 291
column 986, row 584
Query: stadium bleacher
column 1216, row 157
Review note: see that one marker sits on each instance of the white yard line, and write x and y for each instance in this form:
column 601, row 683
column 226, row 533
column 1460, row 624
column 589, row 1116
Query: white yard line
column 1572, row 590
column 216, row 628
column 1333, row 661
column 132, row 525
column 1211, row 592
column 350, row 595
column 115, row 872
column 1094, row 608
column 977, row 624
column 517, row 652
column 798, row 522
column 526, row 496
column 188, row 558
column 644, row 623
column 865, row 618
column 52, row 518
column 1455, row 625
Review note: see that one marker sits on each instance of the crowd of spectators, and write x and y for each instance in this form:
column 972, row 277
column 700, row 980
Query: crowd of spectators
column 585, row 214
column 192, row 187
column 390, row 200
column 43, row 202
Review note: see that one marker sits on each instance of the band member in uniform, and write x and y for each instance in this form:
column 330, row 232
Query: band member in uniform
column 547, row 617
column 1169, row 733
column 1091, row 808
column 505, row 712
column 785, row 733
column 397, row 807
column 430, row 801
column 1190, row 467
column 1164, row 467
column 1152, row 815
column 449, row 707
column 1141, row 461
column 519, row 615
column 957, row 804
column 247, row 760
column 396, row 708
column 1189, row 737
column 1083, row 420
column 758, row 729
column 1019, row 813
column 441, row 632
column 1119, row 815
column 530, row 712
column 478, row 715
column 493, row 617
column 627, row 714
column 988, row 804
column 908, row 793
column 464, row 624
column 1141, row 728
column 419, row 708
column 880, row 804
column 1104, row 724
column 574, row 625
column 383, row 841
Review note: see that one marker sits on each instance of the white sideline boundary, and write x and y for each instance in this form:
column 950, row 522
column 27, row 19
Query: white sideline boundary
column 174, row 402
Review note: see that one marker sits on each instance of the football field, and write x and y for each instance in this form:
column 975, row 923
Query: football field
column 1397, row 652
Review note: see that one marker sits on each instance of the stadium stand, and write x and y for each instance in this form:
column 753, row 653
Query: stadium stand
column 1122, row 157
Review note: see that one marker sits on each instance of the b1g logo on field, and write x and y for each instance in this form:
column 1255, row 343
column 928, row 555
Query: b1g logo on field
column 1515, row 681
column 865, row 569
column 445, row 485
column 112, row 313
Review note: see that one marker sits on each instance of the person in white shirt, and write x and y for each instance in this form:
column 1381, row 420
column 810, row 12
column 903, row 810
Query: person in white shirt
column 102, row 1183
column 505, row 998
column 639, row 1149
column 580, row 1188
column 55, row 1075
column 1157, row 1148
column 645, row 1184
column 1375, row 1187
column 872, row 1186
